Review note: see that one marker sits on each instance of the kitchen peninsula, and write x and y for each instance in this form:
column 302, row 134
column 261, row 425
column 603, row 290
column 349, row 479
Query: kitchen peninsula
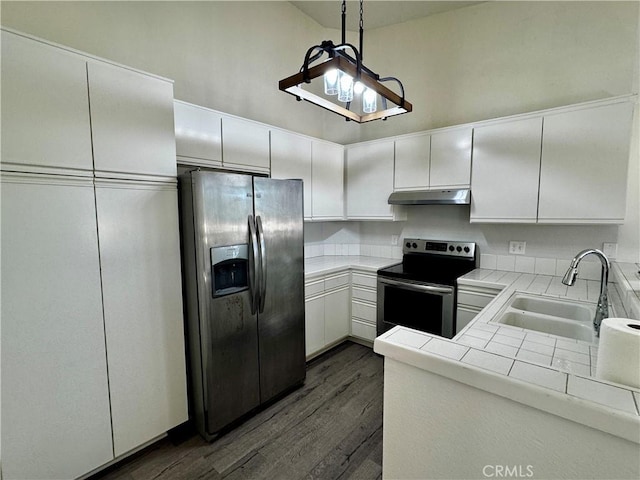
column 541, row 419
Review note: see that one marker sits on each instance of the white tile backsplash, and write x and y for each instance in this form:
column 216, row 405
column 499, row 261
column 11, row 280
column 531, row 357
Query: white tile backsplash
column 488, row 261
column 561, row 267
column 506, row 263
column 525, row 264
column 329, row 249
column 589, row 270
column 545, row 266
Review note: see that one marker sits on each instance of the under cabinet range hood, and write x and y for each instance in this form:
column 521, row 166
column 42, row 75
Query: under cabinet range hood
column 431, row 197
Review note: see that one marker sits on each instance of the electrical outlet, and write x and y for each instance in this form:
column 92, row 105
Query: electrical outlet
column 517, row 248
column 394, row 239
column 610, row 249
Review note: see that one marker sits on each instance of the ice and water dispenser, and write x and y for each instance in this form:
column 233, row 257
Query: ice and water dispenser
column 229, row 267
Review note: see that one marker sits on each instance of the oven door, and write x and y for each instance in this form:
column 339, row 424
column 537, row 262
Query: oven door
column 421, row 306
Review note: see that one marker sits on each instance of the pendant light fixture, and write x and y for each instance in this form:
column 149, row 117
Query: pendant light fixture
column 347, row 88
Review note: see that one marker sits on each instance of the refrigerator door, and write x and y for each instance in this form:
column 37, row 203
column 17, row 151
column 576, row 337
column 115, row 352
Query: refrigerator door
column 279, row 221
column 222, row 209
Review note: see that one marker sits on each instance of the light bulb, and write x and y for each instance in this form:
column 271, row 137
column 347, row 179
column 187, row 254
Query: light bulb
column 369, row 101
column 331, row 82
column 345, row 89
column 358, row 88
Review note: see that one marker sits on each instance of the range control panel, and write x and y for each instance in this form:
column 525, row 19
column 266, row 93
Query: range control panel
column 439, row 247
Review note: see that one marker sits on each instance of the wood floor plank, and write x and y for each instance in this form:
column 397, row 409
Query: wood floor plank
column 329, row 428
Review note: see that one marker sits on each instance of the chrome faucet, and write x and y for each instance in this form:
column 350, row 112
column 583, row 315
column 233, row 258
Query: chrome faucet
column 602, row 309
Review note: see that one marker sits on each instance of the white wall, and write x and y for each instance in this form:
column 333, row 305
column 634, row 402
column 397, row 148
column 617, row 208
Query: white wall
column 474, row 63
column 488, row 60
column 500, row 58
column 228, row 56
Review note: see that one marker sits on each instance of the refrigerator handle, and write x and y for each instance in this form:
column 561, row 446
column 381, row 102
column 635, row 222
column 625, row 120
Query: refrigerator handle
column 254, row 254
column 263, row 265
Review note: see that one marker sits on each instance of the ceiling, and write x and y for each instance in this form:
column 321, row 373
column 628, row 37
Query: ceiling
column 378, row 13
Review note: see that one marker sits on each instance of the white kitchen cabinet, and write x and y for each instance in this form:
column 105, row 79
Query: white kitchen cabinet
column 73, row 396
column 470, row 302
column 336, row 315
column 45, row 108
column 327, row 187
column 291, row 158
column 412, row 159
column 55, row 398
column 141, row 281
column 198, row 135
column 314, row 325
column 450, row 165
column 326, row 312
column 131, row 123
column 369, row 173
column 363, row 305
column 245, row 145
column 506, row 165
column 585, row 154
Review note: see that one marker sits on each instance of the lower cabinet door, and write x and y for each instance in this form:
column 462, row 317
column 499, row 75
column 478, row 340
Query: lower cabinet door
column 55, row 398
column 140, row 258
column 314, row 325
column 336, row 316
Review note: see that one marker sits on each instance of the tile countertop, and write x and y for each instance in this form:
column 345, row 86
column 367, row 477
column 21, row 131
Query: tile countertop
column 551, row 373
column 318, row 266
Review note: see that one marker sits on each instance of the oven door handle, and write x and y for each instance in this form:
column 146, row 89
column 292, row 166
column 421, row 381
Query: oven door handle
column 416, row 287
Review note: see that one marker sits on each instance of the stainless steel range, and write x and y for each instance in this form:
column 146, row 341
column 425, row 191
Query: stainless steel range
column 420, row 292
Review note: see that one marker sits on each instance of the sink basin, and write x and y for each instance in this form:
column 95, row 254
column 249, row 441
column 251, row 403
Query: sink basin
column 557, row 308
column 565, row 318
column 548, row 324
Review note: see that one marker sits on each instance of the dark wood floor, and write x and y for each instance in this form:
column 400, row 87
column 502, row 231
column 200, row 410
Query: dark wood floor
column 328, row 429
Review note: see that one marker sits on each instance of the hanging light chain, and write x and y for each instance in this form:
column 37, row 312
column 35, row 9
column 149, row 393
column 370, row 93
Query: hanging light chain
column 361, row 26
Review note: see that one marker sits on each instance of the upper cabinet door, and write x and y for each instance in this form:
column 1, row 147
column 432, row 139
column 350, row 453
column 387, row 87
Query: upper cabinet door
column 327, row 169
column 370, row 180
column 412, row 162
column 585, row 154
column 451, row 158
column 291, row 158
column 131, row 122
column 198, row 135
column 506, row 165
column 45, row 107
column 245, row 145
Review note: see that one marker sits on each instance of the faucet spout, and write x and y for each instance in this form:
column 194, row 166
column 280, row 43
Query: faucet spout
column 602, row 308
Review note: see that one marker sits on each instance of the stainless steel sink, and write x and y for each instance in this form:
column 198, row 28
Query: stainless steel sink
column 565, row 318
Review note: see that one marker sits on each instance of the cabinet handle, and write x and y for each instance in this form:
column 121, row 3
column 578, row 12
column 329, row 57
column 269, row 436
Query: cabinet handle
column 253, row 258
column 263, row 265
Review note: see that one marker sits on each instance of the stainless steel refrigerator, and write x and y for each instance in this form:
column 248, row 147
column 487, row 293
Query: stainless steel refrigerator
column 243, row 254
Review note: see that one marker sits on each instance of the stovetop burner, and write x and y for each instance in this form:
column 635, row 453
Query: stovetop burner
column 433, row 261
